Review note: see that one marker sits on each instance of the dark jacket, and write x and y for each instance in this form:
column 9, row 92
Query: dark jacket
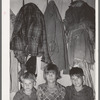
column 85, row 94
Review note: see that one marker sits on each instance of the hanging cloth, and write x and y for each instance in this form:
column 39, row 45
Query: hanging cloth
column 80, row 29
column 29, row 33
column 80, row 12
column 12, row 21
column 55, row 36
column 31, row 65
column 79, row 45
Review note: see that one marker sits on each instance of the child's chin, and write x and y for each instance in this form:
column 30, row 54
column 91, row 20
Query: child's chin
column 28, row 89
column 51, row 81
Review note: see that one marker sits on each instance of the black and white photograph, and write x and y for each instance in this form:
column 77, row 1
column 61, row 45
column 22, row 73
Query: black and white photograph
column 52, row 50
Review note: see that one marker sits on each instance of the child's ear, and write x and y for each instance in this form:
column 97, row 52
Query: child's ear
column 83, row 79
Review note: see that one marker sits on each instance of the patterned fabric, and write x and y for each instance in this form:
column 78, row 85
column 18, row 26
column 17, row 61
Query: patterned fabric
column 20, row 95
column 85, row 94
column 29, row 33
column 44, row 94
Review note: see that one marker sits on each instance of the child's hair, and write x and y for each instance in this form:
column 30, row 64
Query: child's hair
column 52, row 67
column 76, row 71
column 27, row 75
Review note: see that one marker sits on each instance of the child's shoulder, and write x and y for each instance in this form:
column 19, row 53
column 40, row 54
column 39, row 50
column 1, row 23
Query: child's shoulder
column 18, row 95
column 34, row 89
column 20, row 92
column 88, row 88
column 60, row 85
column 69, row 88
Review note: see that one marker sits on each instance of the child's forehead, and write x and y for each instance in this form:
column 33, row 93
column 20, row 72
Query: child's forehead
column 28, row 80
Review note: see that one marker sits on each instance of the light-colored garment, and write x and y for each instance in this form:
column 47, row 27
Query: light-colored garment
column 13, row 73
column 85, row 94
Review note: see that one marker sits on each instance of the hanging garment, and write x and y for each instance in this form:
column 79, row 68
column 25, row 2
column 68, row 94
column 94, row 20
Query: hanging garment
column 80, row 29
column 29, row 33
column 80, row 12
column 79, row 46
column 13, row 73
column 55, row 36
column 12, row 21
column 31, row 65
column 13, row 61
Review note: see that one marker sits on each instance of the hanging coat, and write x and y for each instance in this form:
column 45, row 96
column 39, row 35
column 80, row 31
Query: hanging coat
column 80, row 12
column 80, row 28
column 55, row 36
column 29, row 33
column 79, row 46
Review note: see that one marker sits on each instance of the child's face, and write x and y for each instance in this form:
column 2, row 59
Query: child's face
column 77, row 81
column 27, row 84
column 51, row 76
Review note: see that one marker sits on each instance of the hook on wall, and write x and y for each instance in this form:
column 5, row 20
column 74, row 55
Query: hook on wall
column 23, row 2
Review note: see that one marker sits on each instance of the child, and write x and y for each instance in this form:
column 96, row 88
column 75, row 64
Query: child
column 78, row 91
column 51, row 90
column 28, row 92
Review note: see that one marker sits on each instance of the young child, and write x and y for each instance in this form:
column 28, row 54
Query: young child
column 78, row 91
column 51, row 90
column 28, row 92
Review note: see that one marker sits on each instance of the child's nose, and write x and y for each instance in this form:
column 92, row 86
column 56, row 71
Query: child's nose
column 50, row 74
column 27, row 85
